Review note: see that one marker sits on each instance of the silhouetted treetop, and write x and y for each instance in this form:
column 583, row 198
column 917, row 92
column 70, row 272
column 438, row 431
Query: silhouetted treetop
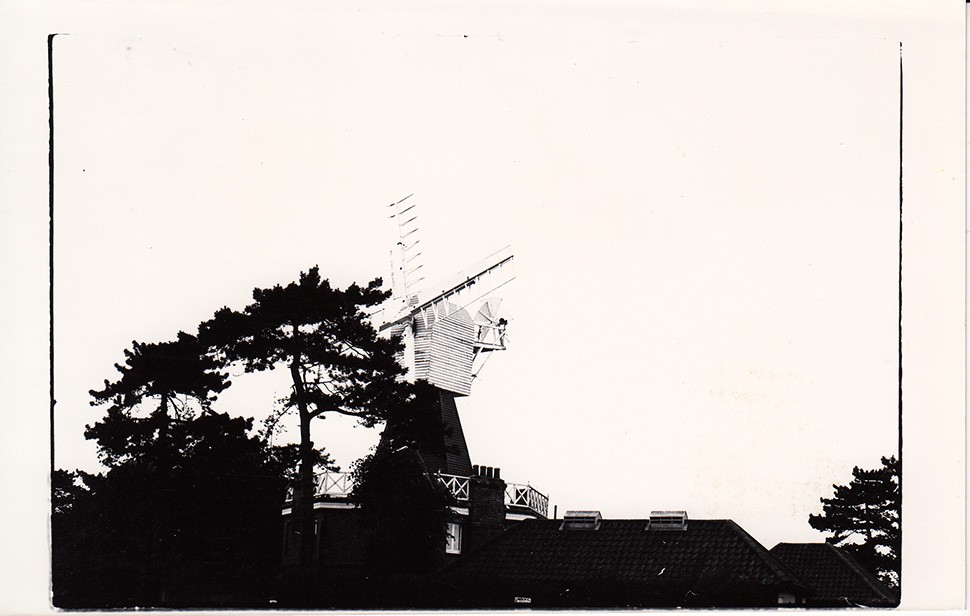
column 163, row 369
column 173, row 373
column 863, row 518
column 320, row 330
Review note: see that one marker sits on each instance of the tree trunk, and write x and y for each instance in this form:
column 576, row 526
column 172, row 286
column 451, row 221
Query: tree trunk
column 304, row 506
column 156, row 556
column 869, row 524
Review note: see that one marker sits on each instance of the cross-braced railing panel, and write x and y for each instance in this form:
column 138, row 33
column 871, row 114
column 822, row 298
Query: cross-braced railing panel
column 518, row 495
column 456, row 484
column 334, row 484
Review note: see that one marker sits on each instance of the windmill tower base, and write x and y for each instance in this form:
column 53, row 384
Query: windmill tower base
column 447, row 454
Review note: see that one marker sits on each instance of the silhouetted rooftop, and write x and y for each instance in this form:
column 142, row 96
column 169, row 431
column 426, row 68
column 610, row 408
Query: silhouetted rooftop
column 710, row 562
column 835, row 577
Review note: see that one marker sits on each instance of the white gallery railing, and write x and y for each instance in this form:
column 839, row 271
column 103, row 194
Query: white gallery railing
column 519, row 495
column 340, row 485
column 459, row 486
column 334, row 484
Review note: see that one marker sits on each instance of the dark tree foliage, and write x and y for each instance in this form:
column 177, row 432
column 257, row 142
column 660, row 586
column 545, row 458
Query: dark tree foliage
column 335, row 358
column 417, row 422
column 193, row 522
column 163, row 370
column 405, row 508
column 405, row 513
column 176, row 374
column 288, row 457
column 188, row 511
column 69, row 488
column 863, row 519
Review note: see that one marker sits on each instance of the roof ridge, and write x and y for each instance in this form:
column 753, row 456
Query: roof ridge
column 870, row 579
column 775, row 564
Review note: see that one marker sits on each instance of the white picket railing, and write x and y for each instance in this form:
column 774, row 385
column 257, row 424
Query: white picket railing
column 334, row 484
column 329, row 483
column 458, row 485
column 518, row 495
column 340, row 485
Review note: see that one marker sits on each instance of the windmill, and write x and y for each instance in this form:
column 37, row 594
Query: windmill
column 448, row 329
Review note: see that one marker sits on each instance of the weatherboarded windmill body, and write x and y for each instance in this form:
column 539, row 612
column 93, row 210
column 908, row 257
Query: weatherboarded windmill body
column 448, row 329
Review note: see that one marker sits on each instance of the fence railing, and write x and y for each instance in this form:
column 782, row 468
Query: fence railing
column 340, row 485
column 458, row 485
column 518, row 495
column 334, row 484
column 329, row 483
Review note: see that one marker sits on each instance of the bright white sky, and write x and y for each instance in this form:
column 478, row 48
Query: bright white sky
column 703, row 208
column 705, row 229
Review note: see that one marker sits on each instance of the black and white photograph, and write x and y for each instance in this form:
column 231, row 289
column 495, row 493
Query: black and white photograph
column 486, row 306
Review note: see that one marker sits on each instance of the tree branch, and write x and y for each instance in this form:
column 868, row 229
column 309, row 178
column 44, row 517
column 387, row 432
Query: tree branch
column 320, row 410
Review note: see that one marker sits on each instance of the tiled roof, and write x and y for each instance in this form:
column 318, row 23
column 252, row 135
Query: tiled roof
column 835, row 577
column 624, row 552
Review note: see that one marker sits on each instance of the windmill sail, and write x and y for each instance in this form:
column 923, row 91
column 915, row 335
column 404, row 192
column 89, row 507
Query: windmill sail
column 464, row 288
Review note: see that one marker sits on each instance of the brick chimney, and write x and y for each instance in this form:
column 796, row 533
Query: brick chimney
column 486, row 505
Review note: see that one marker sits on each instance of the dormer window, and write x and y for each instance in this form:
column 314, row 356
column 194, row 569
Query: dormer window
column 667, row 520
column 581, row 520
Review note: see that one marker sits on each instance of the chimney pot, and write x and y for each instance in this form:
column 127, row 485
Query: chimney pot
column 475, row 470
column 498, row 473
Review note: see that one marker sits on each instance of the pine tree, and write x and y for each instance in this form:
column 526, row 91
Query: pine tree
column 187, row 512
column 336, row 361
column 863, row 519
column 178, row 374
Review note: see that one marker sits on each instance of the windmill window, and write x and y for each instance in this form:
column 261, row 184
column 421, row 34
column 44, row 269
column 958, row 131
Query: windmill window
column 453, row 543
